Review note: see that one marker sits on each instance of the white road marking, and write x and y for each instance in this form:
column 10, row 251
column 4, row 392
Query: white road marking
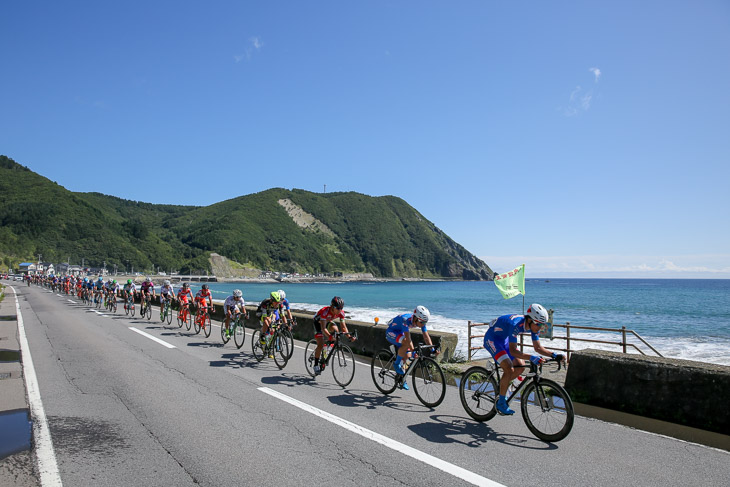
column 161, row 342
column 70, row 300
column 442, row 465
column 47, row 466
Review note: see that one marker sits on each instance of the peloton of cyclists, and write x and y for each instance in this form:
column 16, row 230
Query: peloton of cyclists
column 501, row 342
column 398, row 334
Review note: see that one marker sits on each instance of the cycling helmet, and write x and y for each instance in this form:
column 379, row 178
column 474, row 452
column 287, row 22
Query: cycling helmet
column 147, row 279
column 186, row 285
column 167, row 282
column 337, row 302
column 129, row 281
column 237, row 293
column 282, row 294
column 114, row 281
column 538, row 313
column 205, row 286
column 422, row 313
column 101, row 279
column 275, row 296
column 86, row 279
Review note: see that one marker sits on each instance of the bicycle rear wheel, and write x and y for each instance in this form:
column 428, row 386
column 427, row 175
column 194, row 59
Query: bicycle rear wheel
column 381, row 369
column 479, row 391
column 280, row 347
column 256, row 349
column 207, row 326
column 309, row 357
column 342, row 362
column 429, row 382
column 224, row 337
column 239, row 334
column 547, row 410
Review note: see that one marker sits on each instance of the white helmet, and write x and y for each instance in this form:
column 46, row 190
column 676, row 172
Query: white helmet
column 422, row 313
column 237, row 293
column 282, row 294
column 167, row 282
column 538, row 313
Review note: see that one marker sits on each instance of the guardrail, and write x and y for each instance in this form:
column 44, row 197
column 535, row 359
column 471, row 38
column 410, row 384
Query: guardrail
column 624, row 344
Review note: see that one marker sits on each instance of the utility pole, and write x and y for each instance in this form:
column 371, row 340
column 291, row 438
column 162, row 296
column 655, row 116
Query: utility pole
column 325, row 188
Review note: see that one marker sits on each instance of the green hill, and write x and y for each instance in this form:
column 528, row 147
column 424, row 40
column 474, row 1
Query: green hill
column 277, row 229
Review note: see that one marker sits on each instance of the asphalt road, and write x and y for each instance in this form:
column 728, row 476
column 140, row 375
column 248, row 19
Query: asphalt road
column 124, row 409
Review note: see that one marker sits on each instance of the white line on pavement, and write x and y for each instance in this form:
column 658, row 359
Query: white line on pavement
column 47, row 466
column 161, row 342
column 442, row 465
column 70, row 300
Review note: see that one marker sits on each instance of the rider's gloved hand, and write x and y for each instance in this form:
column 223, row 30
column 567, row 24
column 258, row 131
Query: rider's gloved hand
column 536, row 359
column 558, row 356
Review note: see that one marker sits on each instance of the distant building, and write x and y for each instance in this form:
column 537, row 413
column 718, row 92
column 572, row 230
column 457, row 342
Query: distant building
column 27, row 268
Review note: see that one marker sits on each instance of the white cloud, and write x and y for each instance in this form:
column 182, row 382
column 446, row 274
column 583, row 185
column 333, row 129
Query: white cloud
column 255, row 45
column 596, row 73
column 679, row 266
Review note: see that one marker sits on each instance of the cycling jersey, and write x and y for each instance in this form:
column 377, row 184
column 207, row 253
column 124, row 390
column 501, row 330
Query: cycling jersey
column 203, row 296
column 398, row 326
column 503, row 331
column 285, row 304
column 165, row 290
column 147, row 287
column 99, row 285
column 232, row 303
column 184, row 295
column 130, row 288
column 269, row 307
column 328, row 315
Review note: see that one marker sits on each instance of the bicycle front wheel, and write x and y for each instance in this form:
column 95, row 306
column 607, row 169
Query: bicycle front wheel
column 286, row 333
column 180, row 316
column 148, row 310
column 239, row 335
column 126, row 307
column 196, row 325
column 224, row 336
column 429, row 382
column 281, row 350
column 188, row 320
column 256, row 348
column 309, row 357
column 168, row 315
column 479, row 391
column 381, row 369
column 132, row 309
column 114, row 306
column 343, row 365
column 547, row 410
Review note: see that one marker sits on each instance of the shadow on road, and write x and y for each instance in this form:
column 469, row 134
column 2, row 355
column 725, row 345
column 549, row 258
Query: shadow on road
column 372, row 400
column 454, row 429
column 295, row 380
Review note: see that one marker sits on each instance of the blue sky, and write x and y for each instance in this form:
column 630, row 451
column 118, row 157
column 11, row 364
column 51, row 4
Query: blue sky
column 581, row 138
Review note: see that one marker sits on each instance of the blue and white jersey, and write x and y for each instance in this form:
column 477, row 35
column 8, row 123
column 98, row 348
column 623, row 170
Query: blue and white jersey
column 403, row 323
column 507, row 328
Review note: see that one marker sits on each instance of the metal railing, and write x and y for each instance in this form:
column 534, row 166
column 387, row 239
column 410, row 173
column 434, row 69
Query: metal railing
column 624, row 344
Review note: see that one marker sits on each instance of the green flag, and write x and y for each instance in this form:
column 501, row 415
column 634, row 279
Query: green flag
column 511, row 283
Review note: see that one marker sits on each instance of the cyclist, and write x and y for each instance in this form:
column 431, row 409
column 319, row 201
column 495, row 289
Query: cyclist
column 98, row 289
column 204, row 298
column 185, row 297
column 398, row 334
column 112, row 290
column 269, row 310
column 147, row 290
column 285, row 305
column 167, row 294
column 129, row 290
column 234, row 304
column 501, row 342
column 324, row 326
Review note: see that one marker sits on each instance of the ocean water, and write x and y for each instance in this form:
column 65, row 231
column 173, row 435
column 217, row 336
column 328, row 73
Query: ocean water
column 681, row 318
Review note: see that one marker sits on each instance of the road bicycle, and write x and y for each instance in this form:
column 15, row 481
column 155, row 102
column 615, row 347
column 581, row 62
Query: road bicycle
column 129, row 304
column 237, row 327
column 336, row 354
column 145, row 307
column 111, row 302
column 202, row 321
column 275, row 345
column 166, row 310
column 546, row 407
column 184, row 317
column 97, row 299
column 427, row 376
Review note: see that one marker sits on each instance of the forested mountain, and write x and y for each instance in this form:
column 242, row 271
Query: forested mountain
column 277, row 229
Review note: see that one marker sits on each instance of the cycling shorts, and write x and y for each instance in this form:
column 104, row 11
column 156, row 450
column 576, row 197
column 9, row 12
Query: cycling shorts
column 273, row 313
column 318, row 328
column 498, row 349
column 395, row 338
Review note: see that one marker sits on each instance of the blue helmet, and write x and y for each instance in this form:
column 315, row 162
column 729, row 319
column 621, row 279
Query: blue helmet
column 101, row 279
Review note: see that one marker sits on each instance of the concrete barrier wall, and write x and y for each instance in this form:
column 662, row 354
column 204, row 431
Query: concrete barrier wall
column 679, row 391
column 370, row 338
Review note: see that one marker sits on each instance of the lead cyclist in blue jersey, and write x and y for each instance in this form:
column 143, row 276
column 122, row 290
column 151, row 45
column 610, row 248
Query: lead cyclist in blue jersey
column 399, row 335
column 501, row 341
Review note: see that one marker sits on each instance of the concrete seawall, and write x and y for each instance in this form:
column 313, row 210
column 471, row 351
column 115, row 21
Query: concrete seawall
column 682, row 392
